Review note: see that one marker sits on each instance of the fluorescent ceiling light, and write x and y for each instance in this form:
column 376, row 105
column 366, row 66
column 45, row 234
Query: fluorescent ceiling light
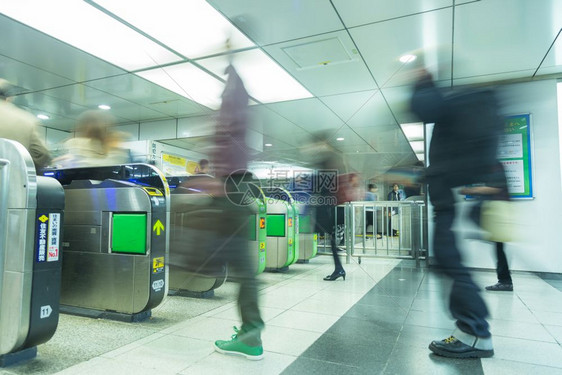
column 339, row 139
column 421, row 156
column 87, row 28
column 191, row 27
column 189, row 81
column 264, row 79
column 104, row 107
column 268, row 145
column 413, row 131
column 43, row 117
column 407, row 58
column 417, row 146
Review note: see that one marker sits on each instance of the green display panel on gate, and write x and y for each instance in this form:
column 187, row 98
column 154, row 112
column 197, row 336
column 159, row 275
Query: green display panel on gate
column 275, row 225
column 305, row 225
column 128, row 233
column 252, row 235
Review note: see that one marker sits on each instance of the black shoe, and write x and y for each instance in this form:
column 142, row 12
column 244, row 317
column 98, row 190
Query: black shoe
column 335, row 275
column 453, row 348
column 500, row 287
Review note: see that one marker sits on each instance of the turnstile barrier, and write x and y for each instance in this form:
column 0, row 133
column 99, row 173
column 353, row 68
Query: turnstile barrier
column 282, row 229
column 116, row 241
column 196, row 268
column 31, row 214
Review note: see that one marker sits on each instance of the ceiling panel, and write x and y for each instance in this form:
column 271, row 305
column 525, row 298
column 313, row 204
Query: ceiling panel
column 138, row 90
column 553, row 62
column 83, row 97
column 259, row 74
column 398, row 99
column 360, row 12
column 309, row 114
column 494, row 77
column 275, row 126
column 62, row 113
column 27, row 77
column 192, row 28
column 49, row 54
column 83, row 26
column 382, row 44
column 372, row 113
column 188, row 81
column 260, row 20
column 387, row 139
column 350, row 139
column 352, row 150
column 492, row 38
column 344, row 70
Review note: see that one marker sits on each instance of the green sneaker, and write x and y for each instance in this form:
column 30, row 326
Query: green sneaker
column 237, row 347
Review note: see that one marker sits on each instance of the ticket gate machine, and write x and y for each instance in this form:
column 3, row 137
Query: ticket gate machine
column 192, row 219
column 282, row 230
column 308, row 239
column 31, row 213
column 258, row 231
column 115, row 241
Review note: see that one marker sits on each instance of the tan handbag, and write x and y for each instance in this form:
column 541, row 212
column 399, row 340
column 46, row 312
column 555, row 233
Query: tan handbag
column 497, row 220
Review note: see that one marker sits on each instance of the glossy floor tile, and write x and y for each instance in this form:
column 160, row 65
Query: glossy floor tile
column 380, row 320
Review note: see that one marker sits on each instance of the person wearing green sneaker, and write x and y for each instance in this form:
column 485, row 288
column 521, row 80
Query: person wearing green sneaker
column 238, row 347
column 230, row 160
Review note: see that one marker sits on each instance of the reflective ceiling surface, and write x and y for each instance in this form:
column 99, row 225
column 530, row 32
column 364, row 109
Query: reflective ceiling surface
column 344, row 52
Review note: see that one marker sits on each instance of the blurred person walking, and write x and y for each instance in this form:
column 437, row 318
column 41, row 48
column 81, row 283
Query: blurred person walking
column 462, row 151
column 203, row 167
column 328, row 188
column 230, row 160
column 95, row 143
column 394, row 195
column 21, row 126
column 371, row 194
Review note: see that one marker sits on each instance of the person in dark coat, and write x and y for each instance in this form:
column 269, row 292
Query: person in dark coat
column 454, row 163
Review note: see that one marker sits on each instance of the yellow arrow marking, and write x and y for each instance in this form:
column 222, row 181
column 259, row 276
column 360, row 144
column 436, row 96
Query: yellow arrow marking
column 158, row 226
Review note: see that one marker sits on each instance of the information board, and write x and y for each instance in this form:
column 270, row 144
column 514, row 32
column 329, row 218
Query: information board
column 514, row 152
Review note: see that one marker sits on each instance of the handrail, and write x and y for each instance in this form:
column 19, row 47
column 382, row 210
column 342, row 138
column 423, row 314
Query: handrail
column 4, row 188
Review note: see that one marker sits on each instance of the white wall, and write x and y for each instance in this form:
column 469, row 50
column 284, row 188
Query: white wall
column 539, row 221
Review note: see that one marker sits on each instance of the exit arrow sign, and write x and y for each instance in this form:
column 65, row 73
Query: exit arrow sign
column 158, row 226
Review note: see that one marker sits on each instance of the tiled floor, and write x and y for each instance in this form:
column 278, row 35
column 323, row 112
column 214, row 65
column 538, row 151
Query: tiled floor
column 378, row 321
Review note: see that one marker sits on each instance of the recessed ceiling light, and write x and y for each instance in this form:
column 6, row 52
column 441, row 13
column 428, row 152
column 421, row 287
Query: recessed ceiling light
column 104, row 106
column 189, row 81
column 259, row 73
column 128, row 49
column 407, row 58
column 413, row 131
column 417, row 146
column 193, row 28
column 339, row 139
column 268, row 145
column 43, row 117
